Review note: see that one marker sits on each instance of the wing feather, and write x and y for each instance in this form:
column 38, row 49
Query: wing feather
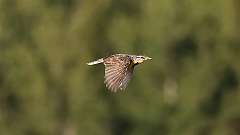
column 118, row 72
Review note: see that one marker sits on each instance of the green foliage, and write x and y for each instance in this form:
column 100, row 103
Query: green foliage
column 191, row 87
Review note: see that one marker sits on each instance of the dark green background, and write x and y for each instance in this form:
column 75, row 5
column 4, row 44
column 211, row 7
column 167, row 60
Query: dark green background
column 191, row 87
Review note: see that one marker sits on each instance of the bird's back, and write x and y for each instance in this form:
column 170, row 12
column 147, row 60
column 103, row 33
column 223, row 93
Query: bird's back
column 118, row 59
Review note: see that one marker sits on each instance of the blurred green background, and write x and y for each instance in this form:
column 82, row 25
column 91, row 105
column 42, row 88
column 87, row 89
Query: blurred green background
column 191, row 87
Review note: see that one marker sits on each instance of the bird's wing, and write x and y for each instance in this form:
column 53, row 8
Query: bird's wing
column 118, row 72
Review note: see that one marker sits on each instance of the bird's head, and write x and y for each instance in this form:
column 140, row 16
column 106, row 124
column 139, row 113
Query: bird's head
column 138, row 59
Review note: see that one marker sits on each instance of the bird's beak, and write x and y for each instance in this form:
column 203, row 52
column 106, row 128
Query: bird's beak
column 148, row 58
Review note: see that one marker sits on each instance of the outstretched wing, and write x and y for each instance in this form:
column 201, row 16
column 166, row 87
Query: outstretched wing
column 118, row 72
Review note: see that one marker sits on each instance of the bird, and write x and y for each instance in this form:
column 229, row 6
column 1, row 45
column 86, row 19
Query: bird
column 119, row 69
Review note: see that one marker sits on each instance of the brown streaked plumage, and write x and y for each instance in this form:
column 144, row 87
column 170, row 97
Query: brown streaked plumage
column 119, row 69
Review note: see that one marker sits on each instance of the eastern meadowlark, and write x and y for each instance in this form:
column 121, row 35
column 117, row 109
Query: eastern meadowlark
column 119, row 69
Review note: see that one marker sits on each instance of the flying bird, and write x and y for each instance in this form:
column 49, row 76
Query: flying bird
column 119, row 69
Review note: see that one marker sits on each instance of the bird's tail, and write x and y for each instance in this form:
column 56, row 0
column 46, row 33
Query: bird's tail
column 95, row 62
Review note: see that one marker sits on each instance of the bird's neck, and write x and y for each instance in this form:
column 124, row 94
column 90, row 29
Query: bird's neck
column 133, row 64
